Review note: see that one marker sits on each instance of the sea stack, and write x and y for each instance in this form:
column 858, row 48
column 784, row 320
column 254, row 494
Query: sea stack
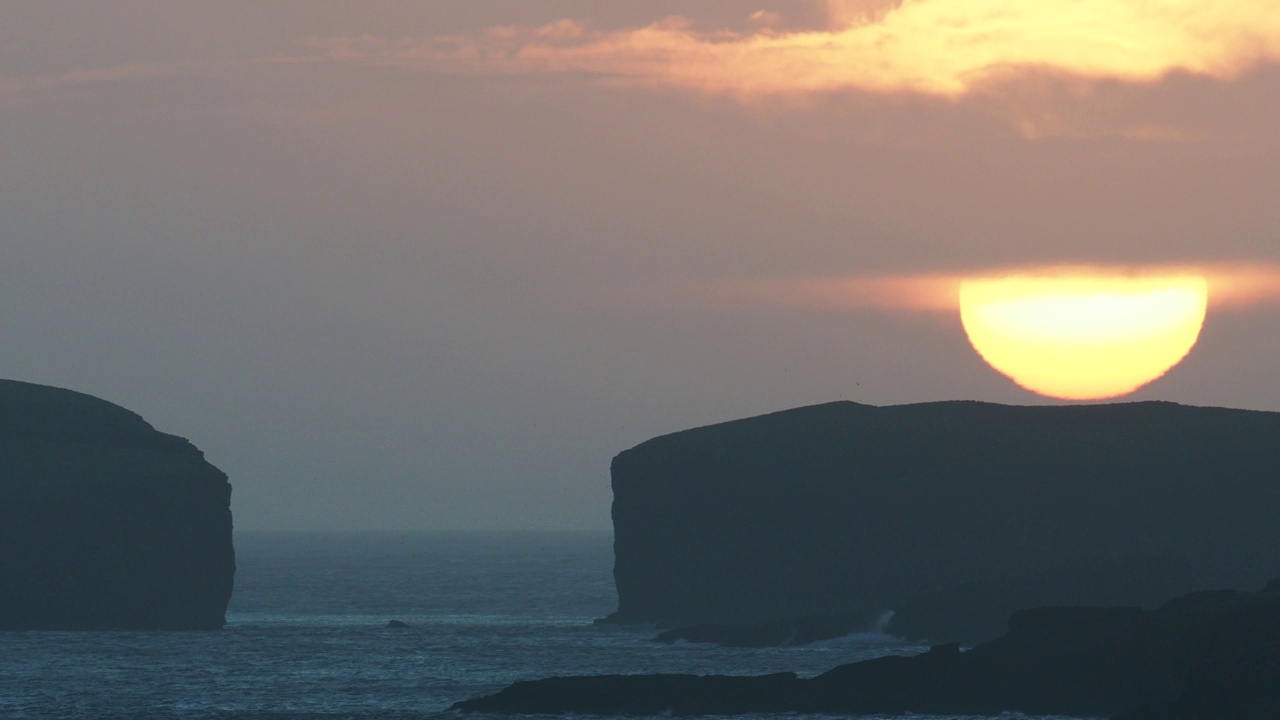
column 105, row 522
column 952, row 514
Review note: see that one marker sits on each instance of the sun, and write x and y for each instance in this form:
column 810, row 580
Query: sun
column 1084, row 335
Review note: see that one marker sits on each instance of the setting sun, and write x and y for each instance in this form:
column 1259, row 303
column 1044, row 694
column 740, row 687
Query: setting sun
column 1082, row 336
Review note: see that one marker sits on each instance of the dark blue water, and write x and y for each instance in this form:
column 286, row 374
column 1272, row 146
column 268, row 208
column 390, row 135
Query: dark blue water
column 307, row 639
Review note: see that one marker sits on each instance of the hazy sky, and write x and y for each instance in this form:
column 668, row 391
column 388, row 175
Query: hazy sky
column 422, row 264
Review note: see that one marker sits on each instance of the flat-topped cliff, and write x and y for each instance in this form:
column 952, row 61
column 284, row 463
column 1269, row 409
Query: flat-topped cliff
column 106, row 522
column 950, row 514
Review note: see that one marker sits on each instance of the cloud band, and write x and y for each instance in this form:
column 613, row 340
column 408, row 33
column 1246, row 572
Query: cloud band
column 945, row 48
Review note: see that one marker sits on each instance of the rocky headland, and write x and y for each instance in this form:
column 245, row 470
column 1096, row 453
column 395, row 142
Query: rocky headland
column 816, row 521
column 1207, row 656
column 106, row 523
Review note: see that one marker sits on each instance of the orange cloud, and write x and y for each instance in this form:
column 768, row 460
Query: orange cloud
column 944, row 48
column 912, row 293
column 21, row 91
column 1244, row 285
column 1230, row 286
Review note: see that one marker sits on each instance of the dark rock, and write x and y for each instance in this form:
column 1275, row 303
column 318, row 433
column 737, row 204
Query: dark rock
column 644, row 695
column 750, row 635
column 1259, row 710
column 945, row 649
column 1273, row 586
column 398, row 625
column 1202, row 660
column 105, row 522
column 767, row 634
column 1202, row 599
column 952, row 514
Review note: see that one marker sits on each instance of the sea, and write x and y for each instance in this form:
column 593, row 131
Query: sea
column 307, row 636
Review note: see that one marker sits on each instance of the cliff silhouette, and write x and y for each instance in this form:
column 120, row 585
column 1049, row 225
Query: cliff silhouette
column 105, row 522
column 951, row 514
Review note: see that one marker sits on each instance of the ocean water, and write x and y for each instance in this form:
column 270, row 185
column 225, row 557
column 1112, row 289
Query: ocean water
column 306, row 636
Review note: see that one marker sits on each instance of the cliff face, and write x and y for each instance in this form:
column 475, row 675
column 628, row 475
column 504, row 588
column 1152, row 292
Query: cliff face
column 104, row 521
column 952, row 515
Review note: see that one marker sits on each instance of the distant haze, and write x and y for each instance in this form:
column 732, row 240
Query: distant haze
column 405, row 264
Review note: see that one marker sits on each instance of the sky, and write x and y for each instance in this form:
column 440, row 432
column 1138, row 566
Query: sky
column 430, row 265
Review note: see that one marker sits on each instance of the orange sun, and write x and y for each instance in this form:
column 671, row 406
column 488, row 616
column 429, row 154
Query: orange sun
column 1082, row 335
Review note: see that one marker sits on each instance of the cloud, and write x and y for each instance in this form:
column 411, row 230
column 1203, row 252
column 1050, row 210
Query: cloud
column 1244, row 286
column 1231, row 286
column 22, row 91
column 919, row 293
column 945, row 48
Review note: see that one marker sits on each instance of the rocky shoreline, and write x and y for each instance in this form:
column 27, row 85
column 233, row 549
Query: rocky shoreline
column 1207, row 656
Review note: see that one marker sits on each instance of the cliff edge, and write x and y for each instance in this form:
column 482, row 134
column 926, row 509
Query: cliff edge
column 952, row 514
column 106, row 523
